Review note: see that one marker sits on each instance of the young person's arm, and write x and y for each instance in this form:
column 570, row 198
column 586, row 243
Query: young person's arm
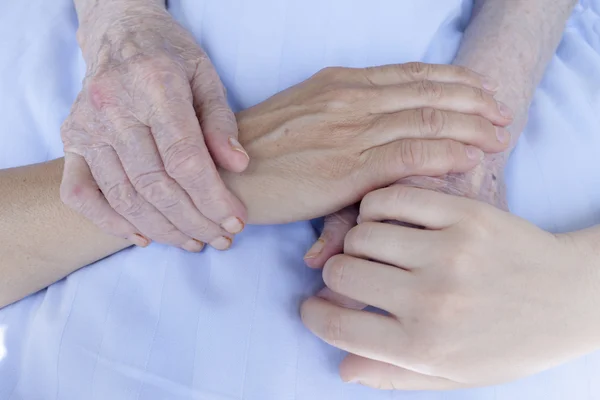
column 307, row 160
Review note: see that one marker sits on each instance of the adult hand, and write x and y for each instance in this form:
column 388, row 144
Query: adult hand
column 140, row 136
column 484, row 182
column 323, row 144
column 476, row 298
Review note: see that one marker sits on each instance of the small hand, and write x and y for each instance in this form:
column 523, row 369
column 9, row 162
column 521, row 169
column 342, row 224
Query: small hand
column 139, row 140
column 322, row 145
column 476, row 298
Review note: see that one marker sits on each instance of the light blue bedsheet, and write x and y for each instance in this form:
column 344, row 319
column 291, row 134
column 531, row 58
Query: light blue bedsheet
column 159, row 323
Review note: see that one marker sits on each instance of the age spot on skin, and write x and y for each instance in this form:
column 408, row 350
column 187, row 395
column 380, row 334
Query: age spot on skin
column 98, row 97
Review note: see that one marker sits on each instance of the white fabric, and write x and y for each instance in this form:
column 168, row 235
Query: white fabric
column 163, row 324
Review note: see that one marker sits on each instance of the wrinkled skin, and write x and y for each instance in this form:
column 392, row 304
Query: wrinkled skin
column 485, row 182
column 478, row 297
column 143, row 132
column 344, row 132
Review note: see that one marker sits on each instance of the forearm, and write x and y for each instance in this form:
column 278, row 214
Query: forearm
column 512, row 41
column 42, row 240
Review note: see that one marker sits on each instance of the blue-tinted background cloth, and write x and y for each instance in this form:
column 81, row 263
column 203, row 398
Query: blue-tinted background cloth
column 159, row 323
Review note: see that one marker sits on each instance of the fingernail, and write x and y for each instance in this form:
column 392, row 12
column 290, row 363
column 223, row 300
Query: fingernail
column 474, row 153
column 236, row 145
column 194, row 246
column 140, row 240
column 504, row 110
column 316, row 249
column 502, row 134
column 489, row 84
column 221, row 243
column 233, row 225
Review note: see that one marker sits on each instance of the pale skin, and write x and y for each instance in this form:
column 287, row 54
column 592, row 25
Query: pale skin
column 315, row 148
column 151, row 117
column 477, row 297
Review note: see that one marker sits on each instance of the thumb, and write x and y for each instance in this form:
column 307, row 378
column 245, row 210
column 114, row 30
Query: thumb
column 217, row 120
column 380, row 375
column 331, row 241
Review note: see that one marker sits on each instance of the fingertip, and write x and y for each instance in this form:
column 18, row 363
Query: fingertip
column 316, row 250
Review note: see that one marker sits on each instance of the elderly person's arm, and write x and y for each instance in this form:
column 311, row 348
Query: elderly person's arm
column 315, row 148
column 151, row 116
column 511, row 41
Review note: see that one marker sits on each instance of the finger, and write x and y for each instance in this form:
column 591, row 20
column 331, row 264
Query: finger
column 421, row 207
column 340, row 299
column 379, row 285
column 442, row 96
column 395, row 245
column 430, row 123
column 80, row 192
column 396, row 74
column 360, row 332
column 187, row 160
column 331, row 241
column 140, row 159
column 380, row 375
column 217, row 121
column 126, row 201
column 386, row 164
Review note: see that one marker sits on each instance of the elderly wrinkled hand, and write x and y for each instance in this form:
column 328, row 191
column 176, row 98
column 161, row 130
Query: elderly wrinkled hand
column 478, row 297
column 140, row 136
column 325, row 143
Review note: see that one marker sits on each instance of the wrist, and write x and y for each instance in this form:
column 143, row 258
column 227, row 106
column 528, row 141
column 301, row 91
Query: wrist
column 583, row 263
column 97, row 19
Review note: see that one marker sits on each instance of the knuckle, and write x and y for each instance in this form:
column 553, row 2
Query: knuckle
column 358, row 236
column 368, row 203
column 412, row 154
column 479, row 95
column 157, row 189
column 334, row 328
column 482, row 125
column 217, row 110
column 402, row 194
column 334, row 272
column 451, row 151
column 431, row 122
column 182, row 160
column 330, row 74
column 461, row 71
column 430, row 90
column 124, row 200
column 417, row 71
